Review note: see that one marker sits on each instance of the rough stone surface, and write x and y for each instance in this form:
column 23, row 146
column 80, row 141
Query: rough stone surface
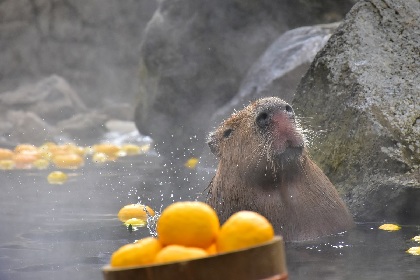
column 195, row 53
column 361, row 101
column 51, row 98
column 51, row 110
column 25, row 127
column 84, row 127
column 93, row 44
column 280, row 68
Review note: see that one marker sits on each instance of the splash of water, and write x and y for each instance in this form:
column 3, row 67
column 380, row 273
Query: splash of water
column 152, row 221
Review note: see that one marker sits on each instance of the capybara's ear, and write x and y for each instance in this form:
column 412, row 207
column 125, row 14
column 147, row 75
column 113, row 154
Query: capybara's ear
column 213, row 144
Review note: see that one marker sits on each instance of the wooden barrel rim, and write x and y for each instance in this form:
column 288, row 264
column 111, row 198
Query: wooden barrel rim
column 247, row 263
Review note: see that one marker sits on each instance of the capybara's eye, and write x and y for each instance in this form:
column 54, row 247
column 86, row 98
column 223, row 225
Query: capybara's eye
column 289, row 109
column 227, row 132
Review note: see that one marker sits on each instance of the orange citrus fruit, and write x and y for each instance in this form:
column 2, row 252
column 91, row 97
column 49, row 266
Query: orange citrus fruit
column 191, row 163
column 7, row 164
column 212, row 250
column 41, row 163
column 57, row 177
column 70, row 160
column 173, row 253
column 188, row 223
column 142, row 252
column 6, row 154
column 25, row 147
column 100, row 158
column 390, row 227
column 244, row 229
column 110, row 150
column 137, row 211
column 131, row 149
column 24, row 160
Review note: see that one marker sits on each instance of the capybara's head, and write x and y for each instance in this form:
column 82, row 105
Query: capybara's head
column 262, row 136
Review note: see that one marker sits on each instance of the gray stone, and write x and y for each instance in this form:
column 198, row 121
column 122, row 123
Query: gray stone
column 93, row 44
column 360, row 104
column 84, row 127
column 195, row 53
column 119, row 111
column 281, row 67
column 119, row 126
column 50, row 110
column 52, row 99
column 26, row 127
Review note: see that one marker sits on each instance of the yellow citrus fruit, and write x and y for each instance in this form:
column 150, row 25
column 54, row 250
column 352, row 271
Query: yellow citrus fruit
column 212, row 250
column 244, row 229
column 134, row 222
column 174, row 253
column 390, row 227
column 100, row 158
column 70, row 160
column 41, row 163
column 72, row 148
column 7, row 164
column 131, row 149
column 188, row 223
column 414, row 251
column 191, row 163
column 6, row 154
column 57, row 177
column 144, row 148
column 24, row 159
column 25, row 147
column 142, row 252
column 137, row 211
column 110, row 150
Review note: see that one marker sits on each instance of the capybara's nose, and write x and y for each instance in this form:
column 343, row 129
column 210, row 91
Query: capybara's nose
column 266, row 113
column 263, row 119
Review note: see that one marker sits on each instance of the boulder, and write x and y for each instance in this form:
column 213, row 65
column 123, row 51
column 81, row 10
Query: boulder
column 52, row 99
column 26, row 127
column 195, row 53
column 280, row 68
column 84, row 127
column 51, row 110
column 360, row 102
column 92, row 44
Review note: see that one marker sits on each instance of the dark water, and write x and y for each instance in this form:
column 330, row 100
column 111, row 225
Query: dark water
column 69, row 231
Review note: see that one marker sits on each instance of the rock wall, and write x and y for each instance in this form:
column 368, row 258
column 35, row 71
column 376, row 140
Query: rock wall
column 195, row 53
column 361, row 101
column 280, row 68
column 44, row 111
column 94, row 45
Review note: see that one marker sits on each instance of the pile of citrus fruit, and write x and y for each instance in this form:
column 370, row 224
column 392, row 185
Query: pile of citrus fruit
column 64, row 156
column 191, row 230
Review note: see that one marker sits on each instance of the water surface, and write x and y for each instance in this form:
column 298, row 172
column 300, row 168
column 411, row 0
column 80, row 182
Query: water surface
column 69, row 231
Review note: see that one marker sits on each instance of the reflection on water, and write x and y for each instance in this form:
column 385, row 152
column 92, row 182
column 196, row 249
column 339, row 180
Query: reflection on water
column 69, row 231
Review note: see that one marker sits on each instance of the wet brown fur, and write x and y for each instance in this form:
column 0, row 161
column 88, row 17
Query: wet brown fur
column 276, row 178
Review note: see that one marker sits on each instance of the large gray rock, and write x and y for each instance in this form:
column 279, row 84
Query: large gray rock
column 93, row 44
column 276, row 73
column 51, row 110
column 361, row 101
column 85, row 127
column 280, row 68
column 25, row 127
column 51, row 98
column 195, row 53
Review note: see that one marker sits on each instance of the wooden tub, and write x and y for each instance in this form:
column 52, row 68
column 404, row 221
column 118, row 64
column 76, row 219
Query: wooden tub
column 265, row 261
